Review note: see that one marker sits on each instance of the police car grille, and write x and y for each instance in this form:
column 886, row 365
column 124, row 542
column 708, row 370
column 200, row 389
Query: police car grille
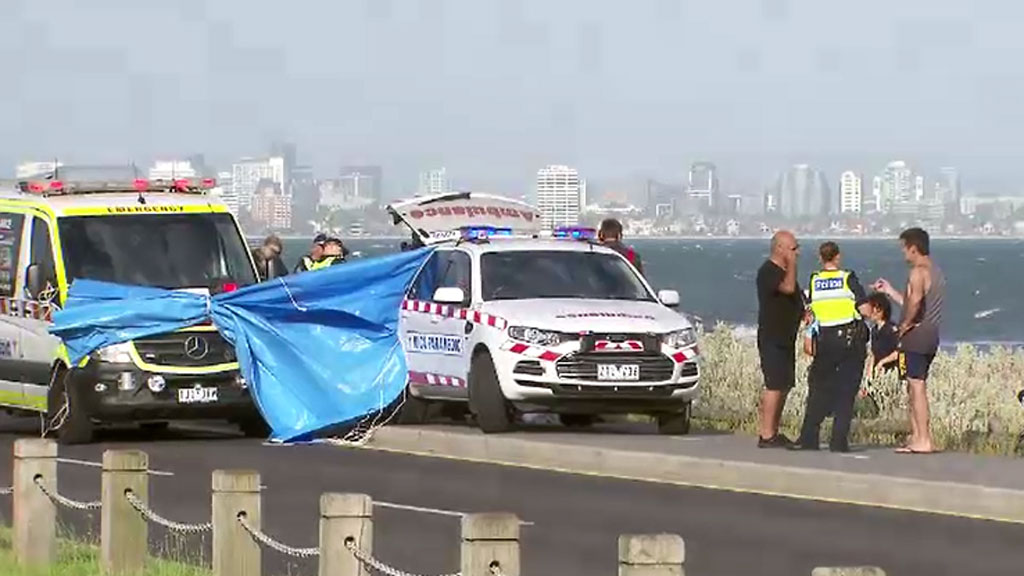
column 169, row 350
column 653, row 368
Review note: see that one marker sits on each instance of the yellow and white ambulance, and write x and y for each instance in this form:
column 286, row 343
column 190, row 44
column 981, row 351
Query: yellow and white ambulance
column 167, row 234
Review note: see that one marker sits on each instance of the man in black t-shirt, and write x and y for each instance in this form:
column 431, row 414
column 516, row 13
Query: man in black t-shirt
column 780, row 309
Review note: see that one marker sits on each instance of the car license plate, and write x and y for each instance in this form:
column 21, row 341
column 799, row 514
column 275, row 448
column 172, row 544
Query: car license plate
column 618, row 372
column 197, row 395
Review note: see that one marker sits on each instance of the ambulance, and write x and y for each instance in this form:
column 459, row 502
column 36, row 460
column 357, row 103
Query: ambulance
column 506, row 318
column 167, row 234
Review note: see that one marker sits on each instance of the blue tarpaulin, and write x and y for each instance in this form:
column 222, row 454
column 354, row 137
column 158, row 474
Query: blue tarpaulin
column 318, row 349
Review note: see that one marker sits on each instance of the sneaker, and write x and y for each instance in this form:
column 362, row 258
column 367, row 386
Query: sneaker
column 777, row 441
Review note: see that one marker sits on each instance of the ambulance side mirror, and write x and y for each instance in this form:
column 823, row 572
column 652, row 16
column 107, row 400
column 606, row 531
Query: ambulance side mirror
column 34, row 280
column 669, row 298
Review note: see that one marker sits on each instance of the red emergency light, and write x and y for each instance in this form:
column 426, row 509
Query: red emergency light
column 140, row 184
column 229, row 287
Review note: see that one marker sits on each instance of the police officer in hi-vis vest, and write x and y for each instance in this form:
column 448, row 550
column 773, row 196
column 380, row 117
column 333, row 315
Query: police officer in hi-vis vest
column 839, row 349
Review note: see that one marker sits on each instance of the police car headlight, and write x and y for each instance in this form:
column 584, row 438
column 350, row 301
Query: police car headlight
column 116, row 354
column 681, row 338
column 536, row 336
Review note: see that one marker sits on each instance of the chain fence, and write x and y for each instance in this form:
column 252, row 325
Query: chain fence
column 150, row 515
column 369, row 562
column 64, row 500
column 269, row 542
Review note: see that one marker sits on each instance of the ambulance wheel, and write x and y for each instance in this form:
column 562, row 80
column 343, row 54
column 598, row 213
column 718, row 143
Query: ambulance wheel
column 676, row 423
column 412, row 410
column 75, row 425
column 493, row 412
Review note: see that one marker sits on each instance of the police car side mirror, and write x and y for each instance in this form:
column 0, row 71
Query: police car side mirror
column 449, row 295
column 669, row 298
column 34, row 280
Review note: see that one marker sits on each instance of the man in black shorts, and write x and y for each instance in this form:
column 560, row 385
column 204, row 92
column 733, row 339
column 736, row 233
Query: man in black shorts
column 780, row 308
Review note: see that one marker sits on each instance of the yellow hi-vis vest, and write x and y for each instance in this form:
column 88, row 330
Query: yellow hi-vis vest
column 323, row 263
column 832, row 301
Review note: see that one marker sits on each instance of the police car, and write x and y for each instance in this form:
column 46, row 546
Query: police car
column 506, row 319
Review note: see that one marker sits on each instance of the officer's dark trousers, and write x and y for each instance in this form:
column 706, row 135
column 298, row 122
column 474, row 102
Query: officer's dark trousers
column 833, row 381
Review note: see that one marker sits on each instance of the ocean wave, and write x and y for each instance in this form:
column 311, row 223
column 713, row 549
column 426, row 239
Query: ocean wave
column 987, row 313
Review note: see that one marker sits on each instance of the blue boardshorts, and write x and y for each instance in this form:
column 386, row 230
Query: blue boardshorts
column 914, row 365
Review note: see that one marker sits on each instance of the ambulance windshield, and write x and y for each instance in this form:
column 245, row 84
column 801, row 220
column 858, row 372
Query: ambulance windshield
column 520, row 275
column 170, row 251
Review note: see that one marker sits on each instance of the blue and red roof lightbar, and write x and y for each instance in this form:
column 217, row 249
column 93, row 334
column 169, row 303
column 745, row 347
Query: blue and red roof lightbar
column 575, row 232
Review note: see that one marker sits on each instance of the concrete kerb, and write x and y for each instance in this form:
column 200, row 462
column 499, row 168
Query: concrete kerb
column 956, row 499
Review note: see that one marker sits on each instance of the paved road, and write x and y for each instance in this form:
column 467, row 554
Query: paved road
column 576, row 519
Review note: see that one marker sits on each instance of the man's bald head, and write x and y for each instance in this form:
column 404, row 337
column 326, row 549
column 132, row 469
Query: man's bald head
column 783, row 240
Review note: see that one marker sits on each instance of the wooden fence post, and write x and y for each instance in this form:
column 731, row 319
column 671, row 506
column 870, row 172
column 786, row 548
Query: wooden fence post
column 35, row 516
column 124, row 533
column 235, row 553
column 651, row 555
column 849, row 571
column 345, row 518
column 490, row 544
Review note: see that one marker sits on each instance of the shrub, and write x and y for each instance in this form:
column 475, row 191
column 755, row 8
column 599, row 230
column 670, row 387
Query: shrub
column 972, row 395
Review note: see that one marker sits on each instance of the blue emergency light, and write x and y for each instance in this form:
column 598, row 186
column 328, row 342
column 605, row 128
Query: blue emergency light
column 484, row 232
column 575, row 232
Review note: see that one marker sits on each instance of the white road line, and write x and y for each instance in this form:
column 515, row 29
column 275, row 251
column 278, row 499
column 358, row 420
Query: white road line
column 100, row 465
column 437, row 511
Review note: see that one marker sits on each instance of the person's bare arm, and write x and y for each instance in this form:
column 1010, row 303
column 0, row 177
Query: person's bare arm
column 788, row 284
column 912, row 301
column 890, row 358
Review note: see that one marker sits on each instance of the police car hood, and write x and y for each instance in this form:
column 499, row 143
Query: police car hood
column 579, row 315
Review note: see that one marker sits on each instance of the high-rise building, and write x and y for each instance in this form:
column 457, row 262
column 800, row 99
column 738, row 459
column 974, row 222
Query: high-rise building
column 226, row 192
column 247, row 173
column 702, row 185
column 434, row 182
column 370, row 181
column 947, row 188
column 803, row 192
column 895, row 186
column 851, row 193
column 560, row 196
column 271, row 207
column 171, row 169
column 918, row 188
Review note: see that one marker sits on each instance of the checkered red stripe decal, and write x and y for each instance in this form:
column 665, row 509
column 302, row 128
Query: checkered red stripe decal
column 530, row 351
column 436, row 379
column 447, row 311
column 685, row 355
column 627, row 346
column 26, row 309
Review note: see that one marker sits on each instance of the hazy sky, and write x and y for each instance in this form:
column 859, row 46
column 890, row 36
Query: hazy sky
column 494, row 88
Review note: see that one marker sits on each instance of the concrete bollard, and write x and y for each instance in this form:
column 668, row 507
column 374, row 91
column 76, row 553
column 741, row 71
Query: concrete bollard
column 124, row 533
column 235, row 553
column 651, row 555
column 849, row 571
column 345, row 518
column 35, row 516
column 490, row 545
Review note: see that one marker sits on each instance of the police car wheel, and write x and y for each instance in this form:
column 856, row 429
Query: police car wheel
column 76, row 426
column 676, row 423
column 412, row 410
column 493, row 412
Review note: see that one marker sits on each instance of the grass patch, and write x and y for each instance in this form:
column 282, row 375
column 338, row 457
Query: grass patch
column 80, row 559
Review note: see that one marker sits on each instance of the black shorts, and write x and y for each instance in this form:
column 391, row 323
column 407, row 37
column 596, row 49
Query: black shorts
column 778, row 364
column 914, row 365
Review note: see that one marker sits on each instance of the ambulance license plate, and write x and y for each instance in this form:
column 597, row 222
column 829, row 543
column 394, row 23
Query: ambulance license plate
column 618, row 372
column 197, row 395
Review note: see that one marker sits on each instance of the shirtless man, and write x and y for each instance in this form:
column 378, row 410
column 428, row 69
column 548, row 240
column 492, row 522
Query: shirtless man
column 918, row 331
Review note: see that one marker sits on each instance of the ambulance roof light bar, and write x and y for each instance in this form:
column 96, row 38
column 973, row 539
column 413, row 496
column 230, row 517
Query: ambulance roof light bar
column 62, row 188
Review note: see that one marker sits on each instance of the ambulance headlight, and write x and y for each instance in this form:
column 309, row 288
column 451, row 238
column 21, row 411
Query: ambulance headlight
column 536, row 336
column 116, row 354
column 681, row 338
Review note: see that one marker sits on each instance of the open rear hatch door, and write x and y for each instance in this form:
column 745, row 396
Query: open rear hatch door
column 442, row 217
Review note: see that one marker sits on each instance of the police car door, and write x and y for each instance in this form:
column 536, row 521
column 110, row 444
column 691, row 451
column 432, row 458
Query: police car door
column 432, row 334
column 13, row 253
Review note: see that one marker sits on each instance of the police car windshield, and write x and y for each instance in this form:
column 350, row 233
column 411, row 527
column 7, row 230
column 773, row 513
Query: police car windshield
column 161, row 250
column 516, row 275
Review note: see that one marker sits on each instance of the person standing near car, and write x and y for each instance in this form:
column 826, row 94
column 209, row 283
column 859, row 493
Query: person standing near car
column 610, row 235
column 840, row 347
column 316, row 253
column 780, row 308
column 268, row 259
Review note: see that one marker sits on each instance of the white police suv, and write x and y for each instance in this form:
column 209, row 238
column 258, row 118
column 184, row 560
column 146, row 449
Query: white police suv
column 505, row 319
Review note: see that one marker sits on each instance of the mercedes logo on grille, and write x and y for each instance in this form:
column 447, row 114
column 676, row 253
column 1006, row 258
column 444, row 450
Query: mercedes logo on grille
column 196, row 347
